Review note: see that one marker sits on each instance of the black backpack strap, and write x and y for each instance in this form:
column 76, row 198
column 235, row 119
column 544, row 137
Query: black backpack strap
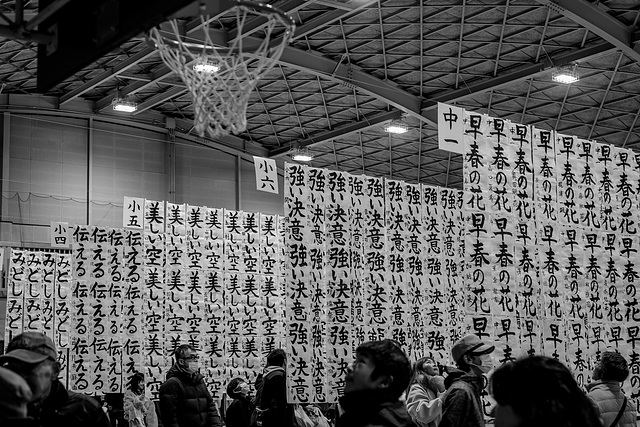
column 620, row 412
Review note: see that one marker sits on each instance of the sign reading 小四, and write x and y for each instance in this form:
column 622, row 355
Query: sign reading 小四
column 60, row 237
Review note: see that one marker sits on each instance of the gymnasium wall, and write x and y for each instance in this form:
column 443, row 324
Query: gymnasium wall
column 77, row 168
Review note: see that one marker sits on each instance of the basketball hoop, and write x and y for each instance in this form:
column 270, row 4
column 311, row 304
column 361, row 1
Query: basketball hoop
column 219, row 77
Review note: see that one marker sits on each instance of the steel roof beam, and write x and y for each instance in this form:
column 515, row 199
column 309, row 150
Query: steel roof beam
column 159, row 99
column 352, row 77
column 472, row 88
column 327, row 18
column 340, row 131
column 106, row 75
column 598, row 22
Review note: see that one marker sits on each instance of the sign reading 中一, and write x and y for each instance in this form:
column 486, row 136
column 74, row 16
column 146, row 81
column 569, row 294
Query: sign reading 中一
column 450, row 131
column 266, row 174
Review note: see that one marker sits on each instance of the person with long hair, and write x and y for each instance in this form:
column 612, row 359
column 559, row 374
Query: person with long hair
column 138, row 410
column 424, row 394
column 540, row 391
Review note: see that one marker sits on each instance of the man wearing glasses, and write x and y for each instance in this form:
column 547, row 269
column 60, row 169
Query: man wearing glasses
column 185, row 400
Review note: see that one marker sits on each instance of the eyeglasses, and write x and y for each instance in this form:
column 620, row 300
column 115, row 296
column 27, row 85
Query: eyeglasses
column 194, row 357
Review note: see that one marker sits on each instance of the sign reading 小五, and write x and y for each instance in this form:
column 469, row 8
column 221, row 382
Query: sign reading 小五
column 60, row 237
column 133, row 213
column 450, row 128
column 266, row 174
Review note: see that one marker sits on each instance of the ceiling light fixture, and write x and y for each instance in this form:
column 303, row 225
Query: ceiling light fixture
column 566, row 75
column 206, row 66
column 302, row 154
column 121, row 103
column 396, row 126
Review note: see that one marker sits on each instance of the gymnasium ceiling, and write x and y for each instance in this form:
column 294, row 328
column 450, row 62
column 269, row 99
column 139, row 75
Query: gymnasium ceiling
column 355, row 64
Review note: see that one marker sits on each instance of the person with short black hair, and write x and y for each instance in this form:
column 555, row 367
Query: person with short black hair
column 238, row 413
column 273, row 407
column 373, row 385
column 539, row 391
column 462, row 404
column 185, row 400
column 606, row 394
column 33, row 357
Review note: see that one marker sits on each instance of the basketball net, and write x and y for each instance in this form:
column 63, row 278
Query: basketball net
column 221, row 79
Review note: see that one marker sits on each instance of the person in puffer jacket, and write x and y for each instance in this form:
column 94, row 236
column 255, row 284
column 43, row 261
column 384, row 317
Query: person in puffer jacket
column 373, row 385
column 605, row 392
column 185, row 400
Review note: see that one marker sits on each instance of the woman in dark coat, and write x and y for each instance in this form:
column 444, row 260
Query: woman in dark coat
column 238, row 413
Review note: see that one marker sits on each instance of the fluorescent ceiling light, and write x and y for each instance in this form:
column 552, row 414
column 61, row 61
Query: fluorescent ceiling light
column 120, row 104
column 206, row 66
column 566, row 75
column 302, row 154
column 396, row 126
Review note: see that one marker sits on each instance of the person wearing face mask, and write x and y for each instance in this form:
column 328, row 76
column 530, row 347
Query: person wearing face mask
column 31, row 394
column 463, row 405
column 185, row 400
column 239, row 411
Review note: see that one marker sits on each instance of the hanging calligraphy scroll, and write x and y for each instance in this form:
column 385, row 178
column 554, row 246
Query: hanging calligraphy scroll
column 366, row 262
column 341, row 253
column 317, row 222
column 297, row 292
column 557, row 216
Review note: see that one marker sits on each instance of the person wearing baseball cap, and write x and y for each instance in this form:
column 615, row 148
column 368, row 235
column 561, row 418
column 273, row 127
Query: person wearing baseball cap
column 463, row 405
column 33, row 356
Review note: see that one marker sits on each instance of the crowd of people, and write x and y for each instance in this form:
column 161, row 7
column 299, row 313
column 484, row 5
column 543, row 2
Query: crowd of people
column 381, row 389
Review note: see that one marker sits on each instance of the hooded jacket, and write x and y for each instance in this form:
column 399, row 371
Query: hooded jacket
column 273, row 399
column 372, row 408
column 69, row 409
column 608, row 398
column 463, row 405
column 185, row 400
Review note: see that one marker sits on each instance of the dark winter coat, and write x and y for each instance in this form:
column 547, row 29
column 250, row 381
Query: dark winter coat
column 608, row 398
column 273, row 399
column 68, row 409
column 371, row 408
column 463, row 405
column 185, row 401
column 239, row 413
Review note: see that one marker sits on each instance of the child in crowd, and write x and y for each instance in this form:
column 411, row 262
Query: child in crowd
column 373, row 385
column 238, row 414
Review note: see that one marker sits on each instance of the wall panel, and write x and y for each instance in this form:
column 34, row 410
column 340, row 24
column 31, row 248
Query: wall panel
column 49, row 173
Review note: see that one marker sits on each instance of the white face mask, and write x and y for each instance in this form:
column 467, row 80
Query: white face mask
column 193, row 366
column 486, row 363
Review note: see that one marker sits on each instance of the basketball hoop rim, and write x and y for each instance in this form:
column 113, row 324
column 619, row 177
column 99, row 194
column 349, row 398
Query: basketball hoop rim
column 270, row 9
column 287, row 20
